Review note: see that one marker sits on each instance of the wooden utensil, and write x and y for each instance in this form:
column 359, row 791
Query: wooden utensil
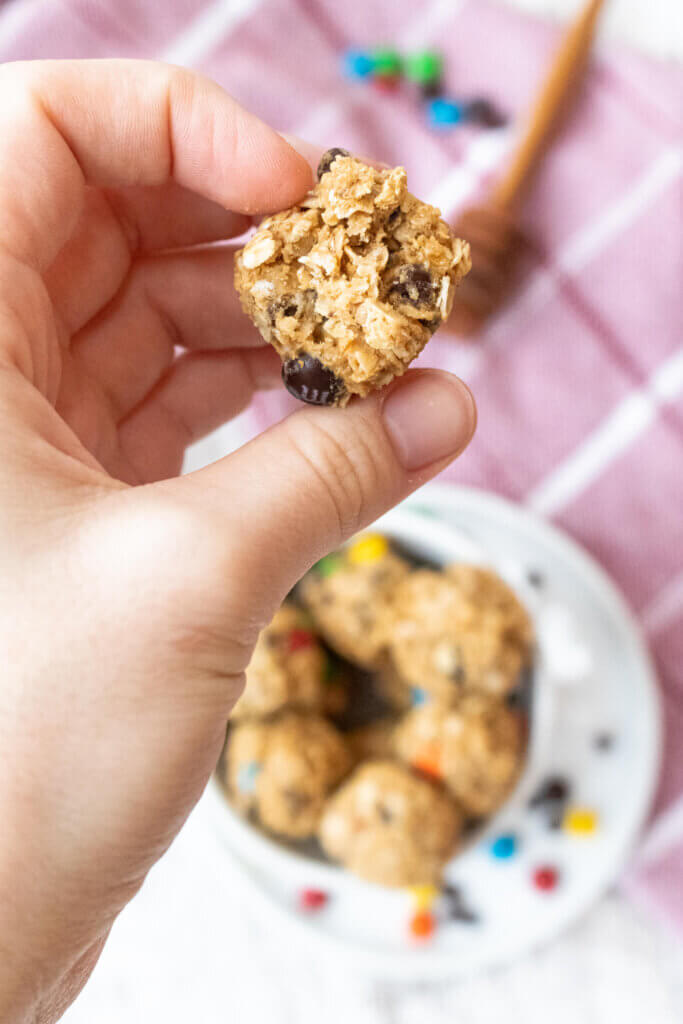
column 490, row 228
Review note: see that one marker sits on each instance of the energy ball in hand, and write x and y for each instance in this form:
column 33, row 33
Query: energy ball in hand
column 350, row 285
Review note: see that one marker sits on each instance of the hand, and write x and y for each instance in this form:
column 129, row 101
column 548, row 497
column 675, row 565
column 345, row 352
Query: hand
column 130, row 599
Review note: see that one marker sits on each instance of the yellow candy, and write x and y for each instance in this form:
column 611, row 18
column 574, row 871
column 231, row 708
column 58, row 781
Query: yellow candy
column 580, row 821
column 423, row 896
column 370, row 548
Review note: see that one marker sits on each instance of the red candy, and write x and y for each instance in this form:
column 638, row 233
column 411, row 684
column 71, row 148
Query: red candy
column 386, row 83
column 545, row 878
column 299, row 639
column 312, row 899
column 422, row 924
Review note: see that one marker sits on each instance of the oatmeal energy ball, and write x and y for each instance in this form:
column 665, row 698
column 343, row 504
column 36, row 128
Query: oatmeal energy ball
column 389, row 826
column 282, row 770
column 348, row 594
column 288, row 667
column 349, row 286
column 475, row 748
column 457, row 631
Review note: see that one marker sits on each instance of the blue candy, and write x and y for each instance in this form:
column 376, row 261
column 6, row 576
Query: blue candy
column 358, row 64
column 444, row 113
column 246, row 776
column 418, row 696
column 504, row 847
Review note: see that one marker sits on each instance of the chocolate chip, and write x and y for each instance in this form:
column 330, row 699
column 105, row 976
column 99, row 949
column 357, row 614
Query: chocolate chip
column 293, row 305
column 603, row 741
column 431, row 325
column 551, row 798
column 430, row 90
column 393, row 217
column 482, row 111
column 285, row 306
column 328, row 158
column 413, row 284
column 307, row 379
column 456, row 908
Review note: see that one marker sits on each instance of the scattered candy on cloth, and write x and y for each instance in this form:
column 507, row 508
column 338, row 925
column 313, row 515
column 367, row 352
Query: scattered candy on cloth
column 580, row 380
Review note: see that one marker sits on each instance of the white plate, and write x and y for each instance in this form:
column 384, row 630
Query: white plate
column 592, row 676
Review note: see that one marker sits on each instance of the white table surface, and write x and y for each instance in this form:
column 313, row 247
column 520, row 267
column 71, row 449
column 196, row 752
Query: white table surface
column 190, row 949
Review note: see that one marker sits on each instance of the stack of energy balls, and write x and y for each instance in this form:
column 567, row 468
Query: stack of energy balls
column 434, row 658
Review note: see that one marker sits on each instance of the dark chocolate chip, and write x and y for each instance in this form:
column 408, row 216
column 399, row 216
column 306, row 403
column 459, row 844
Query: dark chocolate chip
column 307, row 379
column 456, row 907
column 431, row 325
column 484, row 112
column 521, row 698
column 328, row 158
column 553, row 790
column 413, row 284
column 431, row 90
column 293, row 305
column 286, row 306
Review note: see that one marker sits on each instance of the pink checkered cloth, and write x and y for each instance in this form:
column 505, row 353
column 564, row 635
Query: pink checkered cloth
column 580, row 381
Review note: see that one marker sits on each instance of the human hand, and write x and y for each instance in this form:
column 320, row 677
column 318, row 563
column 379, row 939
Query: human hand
column 130, row 599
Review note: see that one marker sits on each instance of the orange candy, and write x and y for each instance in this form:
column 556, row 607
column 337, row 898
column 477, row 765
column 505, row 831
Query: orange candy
column 428, row 761
column 422, row 924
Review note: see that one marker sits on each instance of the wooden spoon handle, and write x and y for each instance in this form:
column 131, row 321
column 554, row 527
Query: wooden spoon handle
column 561, row 80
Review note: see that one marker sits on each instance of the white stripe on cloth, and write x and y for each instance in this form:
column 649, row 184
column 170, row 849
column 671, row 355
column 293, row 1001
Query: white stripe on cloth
column 424, row 30
column 664, row 607
column 482, row 155
column 665, row 833
column 207, row 30
column 616, row 433
column 591, row 239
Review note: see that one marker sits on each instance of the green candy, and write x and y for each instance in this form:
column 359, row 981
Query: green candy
column 328, row 565
column 386, row 63
column 424, row 67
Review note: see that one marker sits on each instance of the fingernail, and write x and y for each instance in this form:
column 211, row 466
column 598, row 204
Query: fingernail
column 429, row 415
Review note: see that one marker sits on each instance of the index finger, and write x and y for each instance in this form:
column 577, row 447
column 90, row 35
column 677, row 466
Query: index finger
column 120, row 123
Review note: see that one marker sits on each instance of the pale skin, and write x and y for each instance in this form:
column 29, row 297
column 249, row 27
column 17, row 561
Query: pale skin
column 130, row 598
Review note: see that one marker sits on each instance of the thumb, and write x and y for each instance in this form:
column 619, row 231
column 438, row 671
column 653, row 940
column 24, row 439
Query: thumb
column 297, row 491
